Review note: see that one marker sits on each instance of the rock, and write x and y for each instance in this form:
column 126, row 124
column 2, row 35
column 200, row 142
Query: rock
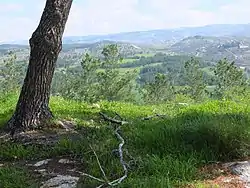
column 241, row 169
column 228, row 179
column 42, row 171
column 43, row 162
column 65, row 161
column 61, row 181
column 67, row 125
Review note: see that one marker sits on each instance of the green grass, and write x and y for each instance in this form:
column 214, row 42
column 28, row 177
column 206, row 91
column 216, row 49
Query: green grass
column 16, row 177
column 129, row 60
column 145, row 55
column 124, row 70
column 139, row 55
column 166, row 152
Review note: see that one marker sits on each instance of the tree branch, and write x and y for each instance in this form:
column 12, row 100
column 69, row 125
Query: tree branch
column 156, row 115
column 99, row 164
column 118, row 181
column 112, row 120
column 123, row 163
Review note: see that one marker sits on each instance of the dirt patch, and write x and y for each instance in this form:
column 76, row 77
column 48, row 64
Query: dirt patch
column 47, row 136
column 225, row 175
column 64, row 165
column 63, row 171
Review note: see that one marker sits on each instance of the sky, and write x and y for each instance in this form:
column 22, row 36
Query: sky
column 19, row 18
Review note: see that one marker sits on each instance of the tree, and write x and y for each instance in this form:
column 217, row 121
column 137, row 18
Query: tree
column 113, row 84
column 160, row 90
column 11, row 74
column 229, row 78
column 194, row 79
column 98, row 78
column 32, row 109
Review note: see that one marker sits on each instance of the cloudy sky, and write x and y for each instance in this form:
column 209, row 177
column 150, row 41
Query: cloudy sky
column 19, row 18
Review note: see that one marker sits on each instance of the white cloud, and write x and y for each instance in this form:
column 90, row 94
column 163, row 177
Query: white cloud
column 109, row 16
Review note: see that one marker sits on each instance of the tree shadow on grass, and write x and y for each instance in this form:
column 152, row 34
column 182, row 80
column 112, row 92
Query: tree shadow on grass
column 177, row 148
column 170, row 149
column 219, row 136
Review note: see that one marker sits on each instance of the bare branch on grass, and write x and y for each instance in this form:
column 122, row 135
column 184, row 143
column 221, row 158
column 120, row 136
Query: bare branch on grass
column 156, row 115
column 112, row 120
column 123, row 163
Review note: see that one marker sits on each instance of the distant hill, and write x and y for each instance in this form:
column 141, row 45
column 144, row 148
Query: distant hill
column 70, row 49
column 98, row 46
column 215, row 48
column 6, row 48
column 211, row 42
column 162, row 35
column 165, row 35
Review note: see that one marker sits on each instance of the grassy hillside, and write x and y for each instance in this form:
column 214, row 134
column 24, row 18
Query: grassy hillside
column 162, row 152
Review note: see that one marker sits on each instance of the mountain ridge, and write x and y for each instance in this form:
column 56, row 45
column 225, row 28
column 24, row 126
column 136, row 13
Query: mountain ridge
column 159, row 35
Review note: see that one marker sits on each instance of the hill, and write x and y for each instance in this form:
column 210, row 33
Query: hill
column 165, row 35
column 96, row 47
column 215, row 48
column 160, row 36
column 211, row 43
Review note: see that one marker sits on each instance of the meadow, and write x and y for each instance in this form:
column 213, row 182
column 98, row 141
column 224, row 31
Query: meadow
column 163, row 151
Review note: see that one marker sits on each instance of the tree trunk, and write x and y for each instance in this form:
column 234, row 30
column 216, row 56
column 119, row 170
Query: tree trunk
column 32, row 108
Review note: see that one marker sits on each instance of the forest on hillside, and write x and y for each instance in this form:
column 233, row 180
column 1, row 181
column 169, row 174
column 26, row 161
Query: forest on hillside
column 141, row 80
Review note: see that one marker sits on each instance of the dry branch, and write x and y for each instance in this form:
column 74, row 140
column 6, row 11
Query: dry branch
column 123, row 163
column 112, row 120
column 156, row 115
column 99, row 164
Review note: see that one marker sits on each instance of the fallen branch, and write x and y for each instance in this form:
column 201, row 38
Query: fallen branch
column 156, row 115
column 93, row 177
column 116, row 114
column 99, row 164
column 112, row 120
column 123, row 163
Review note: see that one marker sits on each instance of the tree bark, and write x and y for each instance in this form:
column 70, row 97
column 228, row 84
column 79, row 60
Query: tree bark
column 32, row 108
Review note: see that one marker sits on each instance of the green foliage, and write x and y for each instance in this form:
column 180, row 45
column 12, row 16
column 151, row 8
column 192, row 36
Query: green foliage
column 230, row 79
column 11, row 74
column 158, row 91
column 99, row 79
column 194, row 77
column 16, row 177
column 113, row 84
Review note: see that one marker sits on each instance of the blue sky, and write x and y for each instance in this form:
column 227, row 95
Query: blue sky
column 19, row 18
